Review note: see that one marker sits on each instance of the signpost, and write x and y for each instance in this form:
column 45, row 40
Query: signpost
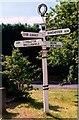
column 31, row 35
column 53, row 44
column 58, row 32
column 44, row 44
column 28, row 43
column 46, row 33
column 37, row 42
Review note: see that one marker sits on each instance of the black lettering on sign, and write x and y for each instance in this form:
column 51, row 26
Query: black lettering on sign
column 54, row 31
column 17, row 42
column 50, row 32
column 58, row 46
column 52, row 42
column 34, row 41
column 25, row 34
column 25, row 44
column 27, row 41
column 33, row 34
column 51, row 45
column 34, row 44
column 66, row 30
column 58, row 31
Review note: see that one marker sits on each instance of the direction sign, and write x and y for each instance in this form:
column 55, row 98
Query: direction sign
column 53, row 44
column 28, row 43
column 37, row 42
column 31, row 35
column 18, row 43
column 58, row 32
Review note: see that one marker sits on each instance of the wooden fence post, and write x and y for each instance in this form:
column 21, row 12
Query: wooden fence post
column 2, row 101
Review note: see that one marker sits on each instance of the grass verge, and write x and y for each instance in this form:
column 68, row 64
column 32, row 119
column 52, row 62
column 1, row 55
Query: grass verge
column 62, row 104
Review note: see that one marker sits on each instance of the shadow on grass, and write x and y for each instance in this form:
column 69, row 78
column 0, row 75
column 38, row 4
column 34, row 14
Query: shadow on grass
column 32, row 103
column 35, row 104
column 9, row 115
column 55, row 108
column 13, row 104
column 39, row 105
column 50, row 115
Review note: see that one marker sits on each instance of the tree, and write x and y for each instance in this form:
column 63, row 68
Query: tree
column 64, row 16
column 12, row 32
column 19, row 70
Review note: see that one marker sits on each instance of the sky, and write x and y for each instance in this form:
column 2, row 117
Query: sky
column 23, row 11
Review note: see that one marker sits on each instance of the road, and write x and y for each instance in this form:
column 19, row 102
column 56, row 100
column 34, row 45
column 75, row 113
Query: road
column 57, row 86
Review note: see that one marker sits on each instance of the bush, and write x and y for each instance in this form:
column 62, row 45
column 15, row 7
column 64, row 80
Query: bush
column 17, row 73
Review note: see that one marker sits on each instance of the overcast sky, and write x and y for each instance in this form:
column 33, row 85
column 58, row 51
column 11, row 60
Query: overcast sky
column 22, row 11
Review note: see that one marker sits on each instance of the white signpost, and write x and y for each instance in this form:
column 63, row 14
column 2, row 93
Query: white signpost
column 44, row 44
column 28, row 43
column 53, row 44
column 46, row 33
column 31, row 35
column 58, row 32
column 37, row 42
column 18, row 43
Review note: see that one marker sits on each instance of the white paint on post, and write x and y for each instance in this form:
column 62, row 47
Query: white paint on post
column 45, row 80
column 45, row 77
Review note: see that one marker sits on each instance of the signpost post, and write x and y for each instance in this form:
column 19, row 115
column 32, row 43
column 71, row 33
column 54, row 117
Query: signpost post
column 45, row 74
column 44, row 59
column 40, row 40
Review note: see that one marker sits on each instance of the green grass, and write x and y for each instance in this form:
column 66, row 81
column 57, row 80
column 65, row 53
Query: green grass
column 62, row 104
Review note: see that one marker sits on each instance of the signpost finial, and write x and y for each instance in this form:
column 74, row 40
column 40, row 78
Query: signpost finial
column 42, row 9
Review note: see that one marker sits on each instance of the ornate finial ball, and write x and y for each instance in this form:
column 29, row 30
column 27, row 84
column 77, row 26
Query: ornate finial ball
column 42, row 9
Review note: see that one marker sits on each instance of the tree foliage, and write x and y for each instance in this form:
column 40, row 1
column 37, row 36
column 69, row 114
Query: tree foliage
column 19, row 70
column 64, row 16
column 12, row 33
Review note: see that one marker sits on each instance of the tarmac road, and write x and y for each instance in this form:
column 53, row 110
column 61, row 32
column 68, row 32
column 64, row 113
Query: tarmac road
column 57, row 86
